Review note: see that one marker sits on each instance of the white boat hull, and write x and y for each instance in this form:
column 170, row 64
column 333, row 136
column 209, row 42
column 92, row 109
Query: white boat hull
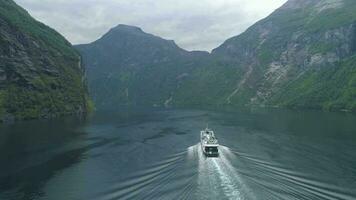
column 209, row 143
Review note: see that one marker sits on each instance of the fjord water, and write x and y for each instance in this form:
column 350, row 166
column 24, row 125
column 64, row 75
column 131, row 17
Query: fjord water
column 155, row 154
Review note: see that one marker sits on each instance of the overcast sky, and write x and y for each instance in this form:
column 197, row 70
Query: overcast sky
column 193, row 24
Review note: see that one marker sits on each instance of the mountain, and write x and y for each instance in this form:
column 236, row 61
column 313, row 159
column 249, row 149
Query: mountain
column 301, row 56
column 41, row 75
column 130, row 67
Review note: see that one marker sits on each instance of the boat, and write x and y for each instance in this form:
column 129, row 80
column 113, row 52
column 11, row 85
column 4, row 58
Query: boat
column 209, row 143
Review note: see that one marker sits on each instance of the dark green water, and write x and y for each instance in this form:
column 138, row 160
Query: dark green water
column 155, row 154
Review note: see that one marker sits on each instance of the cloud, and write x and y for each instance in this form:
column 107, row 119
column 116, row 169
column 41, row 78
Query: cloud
column 194, row 25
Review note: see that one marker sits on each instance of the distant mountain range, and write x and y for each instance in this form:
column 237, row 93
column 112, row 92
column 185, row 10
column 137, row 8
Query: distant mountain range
column 41, row 75
column 301, row 56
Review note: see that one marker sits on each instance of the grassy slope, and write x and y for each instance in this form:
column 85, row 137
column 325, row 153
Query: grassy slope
column 330, row 88
column 333, row 88
column 208, row 85
column 48, row 95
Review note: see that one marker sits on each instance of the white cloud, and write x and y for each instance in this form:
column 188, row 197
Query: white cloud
column 194, row 25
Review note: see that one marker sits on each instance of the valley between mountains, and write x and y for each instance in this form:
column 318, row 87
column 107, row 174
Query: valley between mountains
column 300, row 56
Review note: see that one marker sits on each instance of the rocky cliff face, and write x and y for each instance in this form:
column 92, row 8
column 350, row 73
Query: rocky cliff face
column 40, row 73
column 294, row 53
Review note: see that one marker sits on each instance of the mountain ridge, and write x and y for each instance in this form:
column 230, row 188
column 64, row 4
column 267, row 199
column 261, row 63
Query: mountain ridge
column 286, row 59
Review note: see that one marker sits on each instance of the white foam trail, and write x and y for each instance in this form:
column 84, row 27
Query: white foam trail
column 219, row 174
column 225, row 156
column 229, row 186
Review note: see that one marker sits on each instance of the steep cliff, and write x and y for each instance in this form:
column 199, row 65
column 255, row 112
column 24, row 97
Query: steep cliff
column 302, row 55
column 41, row 75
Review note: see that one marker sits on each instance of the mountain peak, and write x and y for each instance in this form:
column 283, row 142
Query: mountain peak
column 134, row 34
column 127, row 28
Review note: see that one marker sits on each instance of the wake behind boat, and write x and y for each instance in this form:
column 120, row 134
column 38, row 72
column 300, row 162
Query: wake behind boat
column 209, row 143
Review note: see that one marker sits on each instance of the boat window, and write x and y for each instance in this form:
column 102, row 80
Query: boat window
column 211, row 149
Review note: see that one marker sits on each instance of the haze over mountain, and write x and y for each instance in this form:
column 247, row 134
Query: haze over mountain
column 302, row 55
column 194, row 25
column 41, row 75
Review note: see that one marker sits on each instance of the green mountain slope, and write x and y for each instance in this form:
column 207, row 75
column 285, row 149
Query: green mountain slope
column 302, row 55
column 40, row 73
